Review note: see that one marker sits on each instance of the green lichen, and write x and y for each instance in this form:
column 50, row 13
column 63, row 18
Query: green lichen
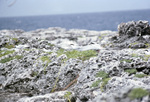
column 102, row 74
column 138, row 93
column 68, row 96
column 104, row 83
column 131, row 71
column 96, row 83
column 140, row 75
column 82, row 55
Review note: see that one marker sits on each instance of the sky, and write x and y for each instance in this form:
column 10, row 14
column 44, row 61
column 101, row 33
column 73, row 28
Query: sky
column 52, row 7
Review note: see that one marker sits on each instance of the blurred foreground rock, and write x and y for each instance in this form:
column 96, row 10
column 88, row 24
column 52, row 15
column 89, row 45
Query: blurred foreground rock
column 59, row 65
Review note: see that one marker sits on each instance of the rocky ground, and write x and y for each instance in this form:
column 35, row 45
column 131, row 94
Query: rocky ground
column 59, row 65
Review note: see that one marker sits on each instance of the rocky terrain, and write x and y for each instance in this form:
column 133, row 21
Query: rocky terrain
column 59, row 65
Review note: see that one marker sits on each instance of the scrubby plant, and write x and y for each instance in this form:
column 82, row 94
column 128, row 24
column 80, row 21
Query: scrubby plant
column 131, row 71
column 102, row 74
column 96, row 83
column 68, row 96
column 137, row 93
column 140, row 75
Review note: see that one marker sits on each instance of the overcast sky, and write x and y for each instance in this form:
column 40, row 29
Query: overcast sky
column 48, row 7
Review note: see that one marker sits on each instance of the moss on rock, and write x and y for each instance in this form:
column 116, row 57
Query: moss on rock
column 138, row 93
column 131, row 71
column 96, row 83
column 102, row 74
column 82, row 55
column 140, row 75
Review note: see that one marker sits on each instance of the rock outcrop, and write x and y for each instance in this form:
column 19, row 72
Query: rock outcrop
column 59, row 65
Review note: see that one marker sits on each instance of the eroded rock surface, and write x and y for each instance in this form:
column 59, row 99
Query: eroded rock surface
column 59, row 65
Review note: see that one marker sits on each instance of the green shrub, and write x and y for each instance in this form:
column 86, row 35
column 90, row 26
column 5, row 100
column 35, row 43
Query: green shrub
column 138, row 93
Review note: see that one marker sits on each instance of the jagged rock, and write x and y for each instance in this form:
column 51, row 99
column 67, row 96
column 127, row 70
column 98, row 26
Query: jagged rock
column 133, row 28
column 40, row 65
column 134, row 34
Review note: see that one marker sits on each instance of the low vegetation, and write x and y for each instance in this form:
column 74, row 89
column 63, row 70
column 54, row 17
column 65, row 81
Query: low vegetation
column 10, row 58
column 96, row 83
column 140, row 75
column 131, row 71
column 68, row 96
column 104, row 81
column 126, row 60
column 138, row 93
column 6, row 52
column 82, row 55
column 102, row 74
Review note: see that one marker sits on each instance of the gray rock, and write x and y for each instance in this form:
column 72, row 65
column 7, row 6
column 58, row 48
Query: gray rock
column 35, row 71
